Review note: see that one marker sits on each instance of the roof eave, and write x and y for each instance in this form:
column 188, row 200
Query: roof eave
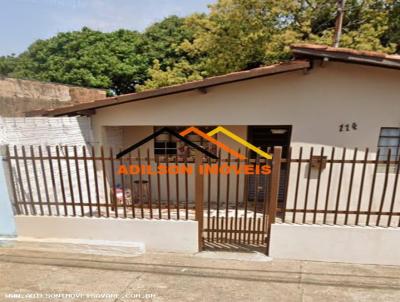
column 301, row 52
column 206, row 83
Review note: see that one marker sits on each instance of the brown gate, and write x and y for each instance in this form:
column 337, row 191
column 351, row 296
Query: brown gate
column 232, row 220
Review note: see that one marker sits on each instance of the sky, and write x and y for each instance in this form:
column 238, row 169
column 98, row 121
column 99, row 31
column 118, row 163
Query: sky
column 24, row 21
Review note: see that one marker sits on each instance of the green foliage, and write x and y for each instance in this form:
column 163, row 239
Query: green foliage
column 392, row 35
column 237, row 34
column 172, row 62
column 234, row 35
column 162, row 41
column 7, row 64
column 87, row 58
column 241, row 34
column 364, row 26
column 180, row 73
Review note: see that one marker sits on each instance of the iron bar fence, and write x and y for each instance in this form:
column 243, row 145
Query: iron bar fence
column 85, row 181
column 336, row 186
column 341, row 186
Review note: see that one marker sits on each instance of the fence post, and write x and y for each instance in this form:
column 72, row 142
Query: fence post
column 274, row 191
column 199, row 197
column 7, row 220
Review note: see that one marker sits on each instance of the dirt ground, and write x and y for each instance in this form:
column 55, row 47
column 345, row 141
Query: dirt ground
column 31, row 274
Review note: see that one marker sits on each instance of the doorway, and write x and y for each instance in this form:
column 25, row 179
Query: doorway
column 266, row 137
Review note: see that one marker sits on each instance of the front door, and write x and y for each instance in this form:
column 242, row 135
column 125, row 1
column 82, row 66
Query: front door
column 267, row 137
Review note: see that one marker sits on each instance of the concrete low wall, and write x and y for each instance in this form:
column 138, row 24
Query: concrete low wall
column 157, row 235
column 367, row 245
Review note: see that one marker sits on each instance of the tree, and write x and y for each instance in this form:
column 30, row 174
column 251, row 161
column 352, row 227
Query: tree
column 392, row 35
column 172, row 62
column 7, row 64
column 234, row 35
column 237, row 34
column 181, row 72
column 162, row 41
column 87, row 58
column 242, row 34
column 364, row 26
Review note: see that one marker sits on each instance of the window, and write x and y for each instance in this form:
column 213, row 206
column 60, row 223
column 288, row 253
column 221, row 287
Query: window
column 168, row 145
column 162, row 147
column 389, row 139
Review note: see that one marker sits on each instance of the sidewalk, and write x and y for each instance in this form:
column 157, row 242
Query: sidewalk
column 177, row 277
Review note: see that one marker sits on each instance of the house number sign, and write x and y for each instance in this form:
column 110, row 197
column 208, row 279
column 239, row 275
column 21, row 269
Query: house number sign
column 348, row 127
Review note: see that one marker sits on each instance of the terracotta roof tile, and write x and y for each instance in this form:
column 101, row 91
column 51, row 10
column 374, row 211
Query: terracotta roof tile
column 348, row 51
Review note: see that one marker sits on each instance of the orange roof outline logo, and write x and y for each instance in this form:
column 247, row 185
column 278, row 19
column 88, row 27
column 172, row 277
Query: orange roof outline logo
column 209, row 136
column 212, row 140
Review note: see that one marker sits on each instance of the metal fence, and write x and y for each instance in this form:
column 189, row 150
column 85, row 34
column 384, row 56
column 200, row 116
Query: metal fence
column 80, row 181
column 342, row 186
column 336, row 186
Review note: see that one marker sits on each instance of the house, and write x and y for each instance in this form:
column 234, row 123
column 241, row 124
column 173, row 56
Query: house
column 324, row 97
column 335, row 113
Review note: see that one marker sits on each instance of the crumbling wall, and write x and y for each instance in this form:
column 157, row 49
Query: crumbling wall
column 20, row 96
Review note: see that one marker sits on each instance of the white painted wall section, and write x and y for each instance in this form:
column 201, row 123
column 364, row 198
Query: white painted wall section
column 366, row 245
column 53, row 132
column 46, row 131
column 157, row 235
column 7, row 222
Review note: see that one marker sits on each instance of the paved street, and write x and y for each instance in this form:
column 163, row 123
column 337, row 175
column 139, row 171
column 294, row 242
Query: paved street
column 44, row 275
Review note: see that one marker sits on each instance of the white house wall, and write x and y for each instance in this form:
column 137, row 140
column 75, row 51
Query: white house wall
column 125, row 136
column 315, row 104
